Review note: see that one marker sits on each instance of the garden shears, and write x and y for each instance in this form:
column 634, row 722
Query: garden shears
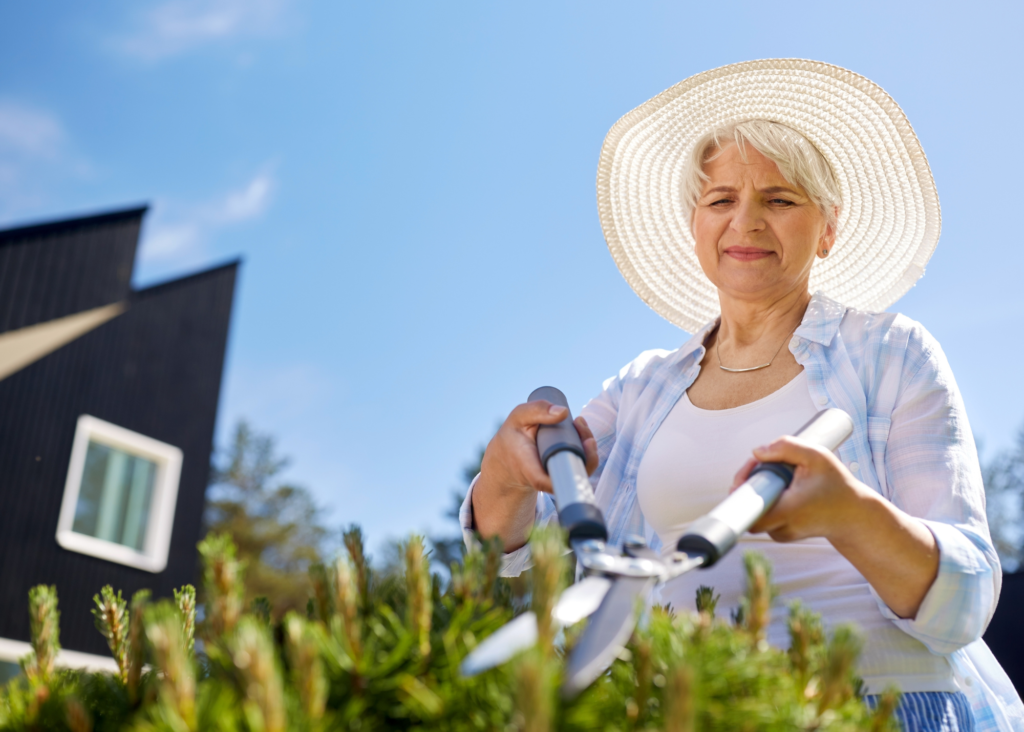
column 616, row 581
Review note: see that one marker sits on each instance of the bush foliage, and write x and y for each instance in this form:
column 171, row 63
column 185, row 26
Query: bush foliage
column 378, row 651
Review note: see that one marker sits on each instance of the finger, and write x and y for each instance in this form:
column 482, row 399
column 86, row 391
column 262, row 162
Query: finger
column 783, row 535
column 523, row 466
column 537, row 412
column 537, row 478
column 780, row 517
column 742, row 474
column 583, row 428
column 770, row 522
column 789, row 450
column 591, row 457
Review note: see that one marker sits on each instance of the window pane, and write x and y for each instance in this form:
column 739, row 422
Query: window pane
column 114, row 497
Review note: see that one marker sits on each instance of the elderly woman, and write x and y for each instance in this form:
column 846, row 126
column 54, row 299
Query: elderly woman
column 755, row 206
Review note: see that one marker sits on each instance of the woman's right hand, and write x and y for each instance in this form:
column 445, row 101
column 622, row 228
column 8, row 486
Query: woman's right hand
column 505, row 495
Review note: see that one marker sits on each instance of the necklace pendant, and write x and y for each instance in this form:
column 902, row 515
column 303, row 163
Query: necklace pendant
column 740, row 371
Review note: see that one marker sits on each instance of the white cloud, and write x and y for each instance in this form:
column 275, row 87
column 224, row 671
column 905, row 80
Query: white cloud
column 34, row 153
column 249, row 202
column 179, row 232
column 29, row 132
column 166, row 242
column 176, row 26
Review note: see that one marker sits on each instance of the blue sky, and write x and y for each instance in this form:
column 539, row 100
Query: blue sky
column 411, row 186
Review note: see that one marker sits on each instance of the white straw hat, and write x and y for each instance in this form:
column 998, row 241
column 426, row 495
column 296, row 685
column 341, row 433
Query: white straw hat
column 889, row 223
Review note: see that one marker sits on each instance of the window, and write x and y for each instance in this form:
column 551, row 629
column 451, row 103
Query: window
column 120, row 495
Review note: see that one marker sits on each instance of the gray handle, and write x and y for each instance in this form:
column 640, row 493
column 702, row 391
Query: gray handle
column 561, row 454
column 715, row 534
column 552, row 439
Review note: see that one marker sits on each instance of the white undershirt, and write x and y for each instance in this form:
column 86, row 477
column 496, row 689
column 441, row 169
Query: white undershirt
column 687, row 470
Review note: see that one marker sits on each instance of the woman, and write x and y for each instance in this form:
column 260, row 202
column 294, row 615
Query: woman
column 726, row 202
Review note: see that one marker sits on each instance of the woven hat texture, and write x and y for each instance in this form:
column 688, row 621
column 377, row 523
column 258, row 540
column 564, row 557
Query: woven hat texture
column 889, row 223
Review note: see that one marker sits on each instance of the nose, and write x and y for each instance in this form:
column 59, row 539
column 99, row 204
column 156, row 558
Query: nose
column 747, row 216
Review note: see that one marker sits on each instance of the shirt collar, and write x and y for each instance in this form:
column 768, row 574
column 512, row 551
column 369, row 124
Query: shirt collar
column 820, row 324
column 821, row 319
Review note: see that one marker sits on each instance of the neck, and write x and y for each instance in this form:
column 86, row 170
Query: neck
column 749, row 322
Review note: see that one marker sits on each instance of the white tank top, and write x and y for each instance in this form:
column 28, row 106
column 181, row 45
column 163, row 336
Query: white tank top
column 687, row 470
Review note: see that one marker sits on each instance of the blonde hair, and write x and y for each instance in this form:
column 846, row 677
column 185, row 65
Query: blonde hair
column 799, row 161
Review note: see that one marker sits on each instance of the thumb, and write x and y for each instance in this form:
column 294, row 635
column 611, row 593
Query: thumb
column 787, row 450
column 538, row 412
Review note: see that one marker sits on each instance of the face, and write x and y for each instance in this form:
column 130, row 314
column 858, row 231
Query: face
column 757, row 234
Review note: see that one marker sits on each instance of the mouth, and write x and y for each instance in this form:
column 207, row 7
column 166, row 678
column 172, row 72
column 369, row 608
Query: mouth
column 747, row 254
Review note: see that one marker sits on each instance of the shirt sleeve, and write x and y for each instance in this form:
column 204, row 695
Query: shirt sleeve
column 514, row 563
column 600, row 414
column 933, row 473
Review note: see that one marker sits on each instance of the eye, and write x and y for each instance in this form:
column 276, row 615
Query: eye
column 720, row 201
column 781, row 202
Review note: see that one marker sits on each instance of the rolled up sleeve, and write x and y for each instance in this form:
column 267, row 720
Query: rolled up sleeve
column 933, row 474
column 513, row 563
column 957, row 607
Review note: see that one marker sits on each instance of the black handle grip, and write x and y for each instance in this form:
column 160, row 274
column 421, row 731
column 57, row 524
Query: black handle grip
column 573, row 495
column 553, row 438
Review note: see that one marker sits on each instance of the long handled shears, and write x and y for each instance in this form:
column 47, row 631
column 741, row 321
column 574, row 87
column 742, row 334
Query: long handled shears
column 615, row 581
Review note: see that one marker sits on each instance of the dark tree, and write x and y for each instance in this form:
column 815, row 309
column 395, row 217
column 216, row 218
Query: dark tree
column 273, row 523
column 1004, row 490
column 450, row 548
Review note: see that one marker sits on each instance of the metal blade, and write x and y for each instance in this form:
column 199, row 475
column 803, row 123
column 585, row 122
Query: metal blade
column 511, row 638
column 580, row 600
column 606, row 634
column 577, row 602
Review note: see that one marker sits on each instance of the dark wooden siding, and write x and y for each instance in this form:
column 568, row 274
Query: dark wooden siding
column 156, row 369
column 51, row 270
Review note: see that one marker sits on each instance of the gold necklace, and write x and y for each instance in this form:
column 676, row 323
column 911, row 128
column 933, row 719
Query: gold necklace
column 718, row 353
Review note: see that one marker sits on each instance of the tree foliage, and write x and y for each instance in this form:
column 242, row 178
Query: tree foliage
column 1004, row 490
column 273, row 524
column 448, row 548
column 379, row 654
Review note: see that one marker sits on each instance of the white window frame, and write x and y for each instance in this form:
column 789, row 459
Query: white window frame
column 13, row 651
column 167, row 458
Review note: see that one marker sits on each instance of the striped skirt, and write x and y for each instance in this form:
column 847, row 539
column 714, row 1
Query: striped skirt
column 932, row 711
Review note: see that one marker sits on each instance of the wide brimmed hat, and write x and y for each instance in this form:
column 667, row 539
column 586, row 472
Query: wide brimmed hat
column 889, row 223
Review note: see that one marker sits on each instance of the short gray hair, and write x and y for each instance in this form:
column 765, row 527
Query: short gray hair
column 799, row 161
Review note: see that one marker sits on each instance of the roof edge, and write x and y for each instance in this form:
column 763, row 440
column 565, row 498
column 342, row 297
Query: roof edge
column 52, row 226
column 201, row 274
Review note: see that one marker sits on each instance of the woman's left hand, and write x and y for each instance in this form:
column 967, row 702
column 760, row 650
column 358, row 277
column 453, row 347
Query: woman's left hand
column 822, row 499
column 894, row 551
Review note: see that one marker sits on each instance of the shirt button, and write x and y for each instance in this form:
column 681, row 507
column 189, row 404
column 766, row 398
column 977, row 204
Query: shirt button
column 969, row 681
column 823, row 400
column 794, row 342
column 854, row 467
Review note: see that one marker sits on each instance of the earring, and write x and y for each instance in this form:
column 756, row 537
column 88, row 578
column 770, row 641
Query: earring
column 824, row 252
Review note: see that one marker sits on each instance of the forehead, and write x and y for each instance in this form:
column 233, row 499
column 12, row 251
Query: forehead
column 734, row 168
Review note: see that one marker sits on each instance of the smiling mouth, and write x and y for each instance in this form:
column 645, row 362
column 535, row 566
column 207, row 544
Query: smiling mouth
column 747, row 254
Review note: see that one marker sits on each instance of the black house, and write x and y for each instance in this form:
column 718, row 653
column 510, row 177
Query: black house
column 108, row 398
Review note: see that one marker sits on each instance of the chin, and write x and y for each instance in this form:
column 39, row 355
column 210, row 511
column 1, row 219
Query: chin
column 747, row 286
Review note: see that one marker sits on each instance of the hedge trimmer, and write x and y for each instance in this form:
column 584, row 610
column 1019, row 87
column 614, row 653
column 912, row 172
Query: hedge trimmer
column 615, row 582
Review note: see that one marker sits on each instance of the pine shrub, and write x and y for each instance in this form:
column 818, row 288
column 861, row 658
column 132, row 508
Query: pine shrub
column 378, row 651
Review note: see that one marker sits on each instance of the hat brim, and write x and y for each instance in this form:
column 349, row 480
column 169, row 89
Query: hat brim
column 889, row 223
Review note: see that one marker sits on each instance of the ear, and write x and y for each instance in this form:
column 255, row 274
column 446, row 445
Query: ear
column 828, row 237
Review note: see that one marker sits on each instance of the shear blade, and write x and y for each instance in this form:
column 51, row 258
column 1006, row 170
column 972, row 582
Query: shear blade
column 581, row 600
column 517, row 635
column 577, row 602
column 605, row 634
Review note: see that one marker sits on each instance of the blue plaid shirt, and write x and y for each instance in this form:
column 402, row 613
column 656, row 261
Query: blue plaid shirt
column 911, row 443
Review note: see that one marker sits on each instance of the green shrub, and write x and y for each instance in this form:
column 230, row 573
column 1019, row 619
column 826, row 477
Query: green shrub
column 381, row 651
